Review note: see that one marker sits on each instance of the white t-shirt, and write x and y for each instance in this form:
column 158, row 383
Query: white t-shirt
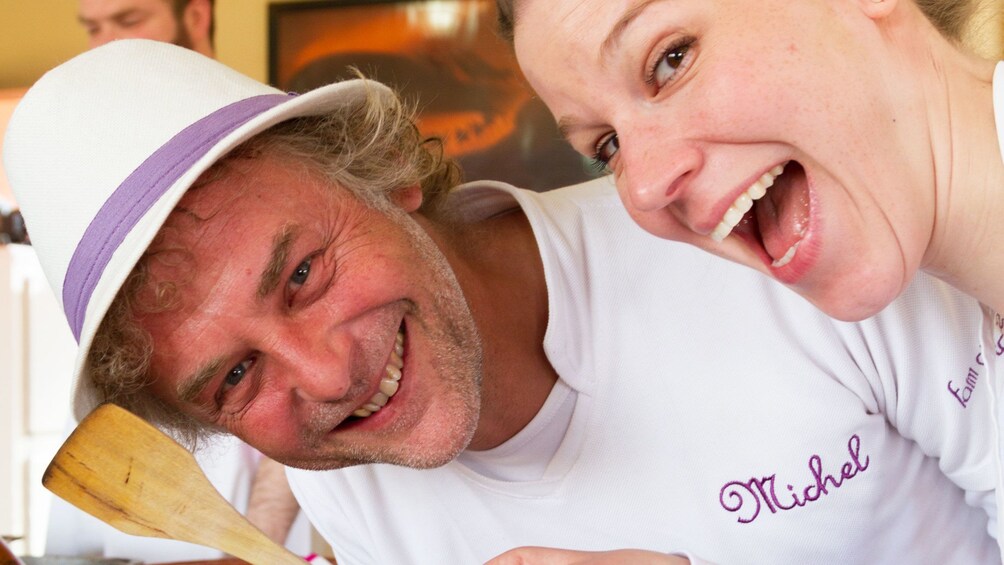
column 716, row 413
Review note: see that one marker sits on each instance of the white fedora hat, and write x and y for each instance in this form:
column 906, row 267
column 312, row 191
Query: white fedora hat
column 101, row 149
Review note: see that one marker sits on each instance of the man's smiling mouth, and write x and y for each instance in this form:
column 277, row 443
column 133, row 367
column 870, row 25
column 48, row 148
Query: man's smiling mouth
column 779, row 222
column 389, row 383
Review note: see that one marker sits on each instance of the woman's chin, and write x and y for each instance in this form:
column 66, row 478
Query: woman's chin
column 853, row 300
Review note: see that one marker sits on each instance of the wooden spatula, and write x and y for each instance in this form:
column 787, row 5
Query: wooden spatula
column 122, row 470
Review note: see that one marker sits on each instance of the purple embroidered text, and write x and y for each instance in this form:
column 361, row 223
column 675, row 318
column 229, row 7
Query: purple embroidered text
column 748, row 498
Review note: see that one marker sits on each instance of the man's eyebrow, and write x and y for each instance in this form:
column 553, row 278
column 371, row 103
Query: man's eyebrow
column 622, row 24
column 191, row 388
column 116, row 17
column 281, row 244
column 126, row 14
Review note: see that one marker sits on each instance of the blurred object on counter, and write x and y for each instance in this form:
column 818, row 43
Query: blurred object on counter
column 7, row 556
column 12, row 229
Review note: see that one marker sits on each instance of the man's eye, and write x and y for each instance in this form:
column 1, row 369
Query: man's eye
column 301, row 288
column 301, row 273
column 131, row 22
column 606, row 149
column 237, row 374
column 668, row 64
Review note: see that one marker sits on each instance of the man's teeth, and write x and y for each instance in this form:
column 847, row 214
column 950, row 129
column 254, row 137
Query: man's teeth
column 389, row 384
column 743, row 204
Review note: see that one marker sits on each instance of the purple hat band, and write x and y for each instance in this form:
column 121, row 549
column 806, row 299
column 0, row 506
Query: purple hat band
column 138, row 193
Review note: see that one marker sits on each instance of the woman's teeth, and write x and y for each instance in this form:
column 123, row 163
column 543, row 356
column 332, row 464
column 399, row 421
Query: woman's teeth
column 389, row 384
column 788, row 255
column 743, row 204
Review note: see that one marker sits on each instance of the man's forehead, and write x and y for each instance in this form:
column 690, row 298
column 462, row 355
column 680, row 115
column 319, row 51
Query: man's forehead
column 223, row 186
column 108, row 8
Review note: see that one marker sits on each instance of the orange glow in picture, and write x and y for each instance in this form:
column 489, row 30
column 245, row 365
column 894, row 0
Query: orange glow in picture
column 444, row 56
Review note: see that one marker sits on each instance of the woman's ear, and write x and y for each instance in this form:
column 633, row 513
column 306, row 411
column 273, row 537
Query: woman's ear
column 877, row 9
column 408, row 198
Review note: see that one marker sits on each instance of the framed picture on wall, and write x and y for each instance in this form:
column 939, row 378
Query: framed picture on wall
column 445, row 56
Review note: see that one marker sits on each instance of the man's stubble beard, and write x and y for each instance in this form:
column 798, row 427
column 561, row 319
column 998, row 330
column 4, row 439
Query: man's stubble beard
column 181, row 36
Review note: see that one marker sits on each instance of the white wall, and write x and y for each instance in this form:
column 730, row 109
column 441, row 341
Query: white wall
column 36, row 362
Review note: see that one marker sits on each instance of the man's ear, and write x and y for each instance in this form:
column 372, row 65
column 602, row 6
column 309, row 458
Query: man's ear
column 877, row 9
column 408, row 198
column 198, row 16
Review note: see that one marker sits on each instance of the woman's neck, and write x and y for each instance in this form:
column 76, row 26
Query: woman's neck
column 967, row 243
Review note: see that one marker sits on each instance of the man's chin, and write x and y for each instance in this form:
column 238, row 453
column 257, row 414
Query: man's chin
column 415, row 461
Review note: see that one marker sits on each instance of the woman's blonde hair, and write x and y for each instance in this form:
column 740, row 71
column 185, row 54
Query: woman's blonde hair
column 371, row 147
column 951, row 17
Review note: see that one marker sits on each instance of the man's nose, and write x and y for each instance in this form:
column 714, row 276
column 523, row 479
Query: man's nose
column 655, row 169
column 317, row 364
column 101, row 36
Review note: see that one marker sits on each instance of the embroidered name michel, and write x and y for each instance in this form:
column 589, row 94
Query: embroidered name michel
column 748, row 498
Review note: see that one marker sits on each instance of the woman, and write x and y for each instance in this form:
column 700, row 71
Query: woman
column 836, row 145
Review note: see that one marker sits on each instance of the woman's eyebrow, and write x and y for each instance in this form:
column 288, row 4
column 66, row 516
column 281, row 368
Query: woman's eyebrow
column 629, row 17
column 566, row 126
column 281, row 244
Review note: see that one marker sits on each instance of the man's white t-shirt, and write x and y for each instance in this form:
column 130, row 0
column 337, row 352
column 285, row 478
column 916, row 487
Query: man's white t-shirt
column 714, row 412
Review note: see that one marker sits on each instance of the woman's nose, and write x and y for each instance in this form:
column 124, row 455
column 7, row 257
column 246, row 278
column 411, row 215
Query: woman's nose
column 653, row 174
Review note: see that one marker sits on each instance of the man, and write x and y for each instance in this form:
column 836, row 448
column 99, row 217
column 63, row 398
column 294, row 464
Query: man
column 457, row 373
column 187, row 23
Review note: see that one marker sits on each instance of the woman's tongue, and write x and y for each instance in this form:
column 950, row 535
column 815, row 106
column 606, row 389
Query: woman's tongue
column 783, row 214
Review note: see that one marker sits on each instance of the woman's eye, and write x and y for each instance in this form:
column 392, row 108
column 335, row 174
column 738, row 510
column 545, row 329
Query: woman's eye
column 666, row 67
column 301, row 273
column 606, row 149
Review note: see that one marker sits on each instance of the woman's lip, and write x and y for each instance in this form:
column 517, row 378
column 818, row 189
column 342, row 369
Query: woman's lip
column 809, row 244
column 793, row 272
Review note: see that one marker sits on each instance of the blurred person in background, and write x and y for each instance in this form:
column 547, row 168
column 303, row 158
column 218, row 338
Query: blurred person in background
column 186, row 23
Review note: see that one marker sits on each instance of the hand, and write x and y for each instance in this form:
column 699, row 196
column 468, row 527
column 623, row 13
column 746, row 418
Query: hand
column 551, row 556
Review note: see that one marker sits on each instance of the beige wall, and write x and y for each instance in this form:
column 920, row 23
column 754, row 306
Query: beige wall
column 36, row 35
column 242, row 35
column 8, row 99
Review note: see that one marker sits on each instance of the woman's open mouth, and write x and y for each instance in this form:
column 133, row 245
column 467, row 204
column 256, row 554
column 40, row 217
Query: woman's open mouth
column 773, row 213
column 388, row 384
